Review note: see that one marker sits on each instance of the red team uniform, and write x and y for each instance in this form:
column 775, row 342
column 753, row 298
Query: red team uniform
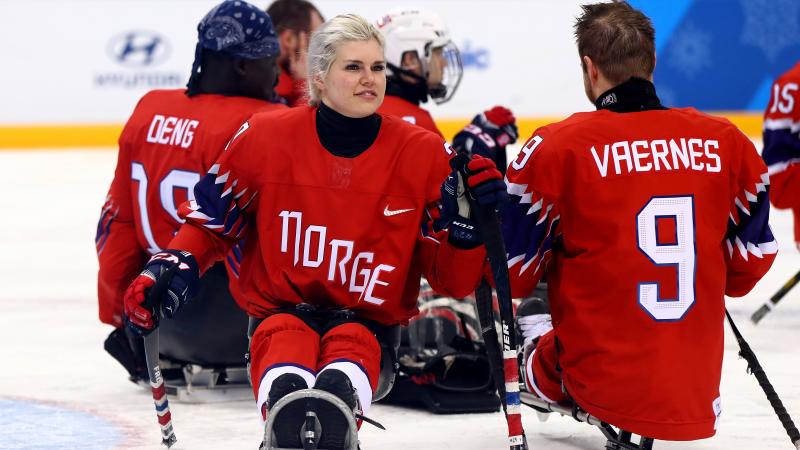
column 643, row 221
column 782, row 144
column 399, row 107
column 341, row 233
column 167, row 144
column 293, row 91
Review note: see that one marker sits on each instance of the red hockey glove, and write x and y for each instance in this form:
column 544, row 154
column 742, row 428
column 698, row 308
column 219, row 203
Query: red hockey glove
column 174, row 270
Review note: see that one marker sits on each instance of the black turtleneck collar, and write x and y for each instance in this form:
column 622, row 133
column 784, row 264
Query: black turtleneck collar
column 413, row 93
column 633, row 95
column 345, row 136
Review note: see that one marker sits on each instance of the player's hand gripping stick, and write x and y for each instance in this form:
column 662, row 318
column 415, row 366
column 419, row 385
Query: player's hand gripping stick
column 489, row 228
column 153, row 303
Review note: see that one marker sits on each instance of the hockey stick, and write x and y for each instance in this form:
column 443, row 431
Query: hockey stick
column 485, row 306
column 157, row 385
column 767, row 307
column 489, row 227
column 754, row 367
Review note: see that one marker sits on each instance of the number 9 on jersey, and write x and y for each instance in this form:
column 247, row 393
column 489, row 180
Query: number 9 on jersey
column 678, row 252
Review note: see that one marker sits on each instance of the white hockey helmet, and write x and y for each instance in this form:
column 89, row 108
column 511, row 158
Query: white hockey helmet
column 421, row 31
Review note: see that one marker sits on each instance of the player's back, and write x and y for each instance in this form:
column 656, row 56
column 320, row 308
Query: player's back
column 170, row 141
column 642, row 205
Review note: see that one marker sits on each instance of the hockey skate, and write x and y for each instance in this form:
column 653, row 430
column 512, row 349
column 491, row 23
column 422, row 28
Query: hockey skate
column 323, row 418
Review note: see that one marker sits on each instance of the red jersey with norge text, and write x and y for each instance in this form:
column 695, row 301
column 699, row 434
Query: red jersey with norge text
column 333, row 231
column 643, row 222
column 168, row 143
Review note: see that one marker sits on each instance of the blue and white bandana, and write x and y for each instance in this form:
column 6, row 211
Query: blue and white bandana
column 237, row 29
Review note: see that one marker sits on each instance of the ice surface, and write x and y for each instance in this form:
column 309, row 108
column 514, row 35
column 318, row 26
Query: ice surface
column 59, row 389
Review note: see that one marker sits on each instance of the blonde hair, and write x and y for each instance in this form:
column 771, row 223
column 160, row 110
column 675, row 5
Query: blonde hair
column 324, row 42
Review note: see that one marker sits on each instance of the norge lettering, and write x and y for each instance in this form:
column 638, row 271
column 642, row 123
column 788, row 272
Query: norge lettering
column 337, row 252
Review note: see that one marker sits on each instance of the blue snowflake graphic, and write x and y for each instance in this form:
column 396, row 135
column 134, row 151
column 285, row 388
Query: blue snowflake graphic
column 690, row 51
column 771, row 25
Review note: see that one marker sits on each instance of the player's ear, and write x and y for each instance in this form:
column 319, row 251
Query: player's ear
column 590, row 69
column 319, row 83
column 288, row 40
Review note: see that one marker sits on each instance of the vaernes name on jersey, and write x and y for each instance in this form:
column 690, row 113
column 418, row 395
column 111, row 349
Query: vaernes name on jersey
column 657, row 155
column 171, row 131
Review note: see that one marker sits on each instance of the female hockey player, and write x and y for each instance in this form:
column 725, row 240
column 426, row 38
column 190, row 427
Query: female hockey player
column 333, row 201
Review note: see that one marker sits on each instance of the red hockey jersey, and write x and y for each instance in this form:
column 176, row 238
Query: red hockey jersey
column 167, row 144
column 328, row 230
column 782, row 143
column 294, row 91
column 402, row 108
column 643, row 221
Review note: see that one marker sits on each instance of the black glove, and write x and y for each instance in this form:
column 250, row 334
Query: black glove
column 486, row 187
column 174, row 275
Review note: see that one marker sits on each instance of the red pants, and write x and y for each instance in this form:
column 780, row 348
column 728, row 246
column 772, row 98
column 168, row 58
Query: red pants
column 283, row 343
column 541, row 375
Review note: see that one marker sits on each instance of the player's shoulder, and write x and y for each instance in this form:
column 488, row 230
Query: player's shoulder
column 159, row 95
column 413, row 140
column 239, row 103
column 707, row 123
column 156, row 99
column 404, row 132
column 280, row 124
column 283, row 113
column 572, row 123
column 790, row 76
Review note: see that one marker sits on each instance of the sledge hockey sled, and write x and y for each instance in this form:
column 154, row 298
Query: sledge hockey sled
column 192, row 383
column 202, row 349
column 311, row 429
column 617, row 439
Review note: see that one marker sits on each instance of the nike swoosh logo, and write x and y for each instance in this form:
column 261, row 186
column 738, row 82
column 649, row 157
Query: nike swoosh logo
column 388, row 212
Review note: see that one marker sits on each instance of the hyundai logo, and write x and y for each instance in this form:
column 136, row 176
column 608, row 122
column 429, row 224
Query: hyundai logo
column 138, row 48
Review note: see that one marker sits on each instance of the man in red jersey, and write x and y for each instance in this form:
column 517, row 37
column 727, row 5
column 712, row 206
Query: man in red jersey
column 294, row 21
column 782, row 144
column 643, row 219
column 170, row 140
column 334, row 206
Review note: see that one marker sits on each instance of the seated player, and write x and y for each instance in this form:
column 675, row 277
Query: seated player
column 643, row 218
column 333, row 204
column 170, row 140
